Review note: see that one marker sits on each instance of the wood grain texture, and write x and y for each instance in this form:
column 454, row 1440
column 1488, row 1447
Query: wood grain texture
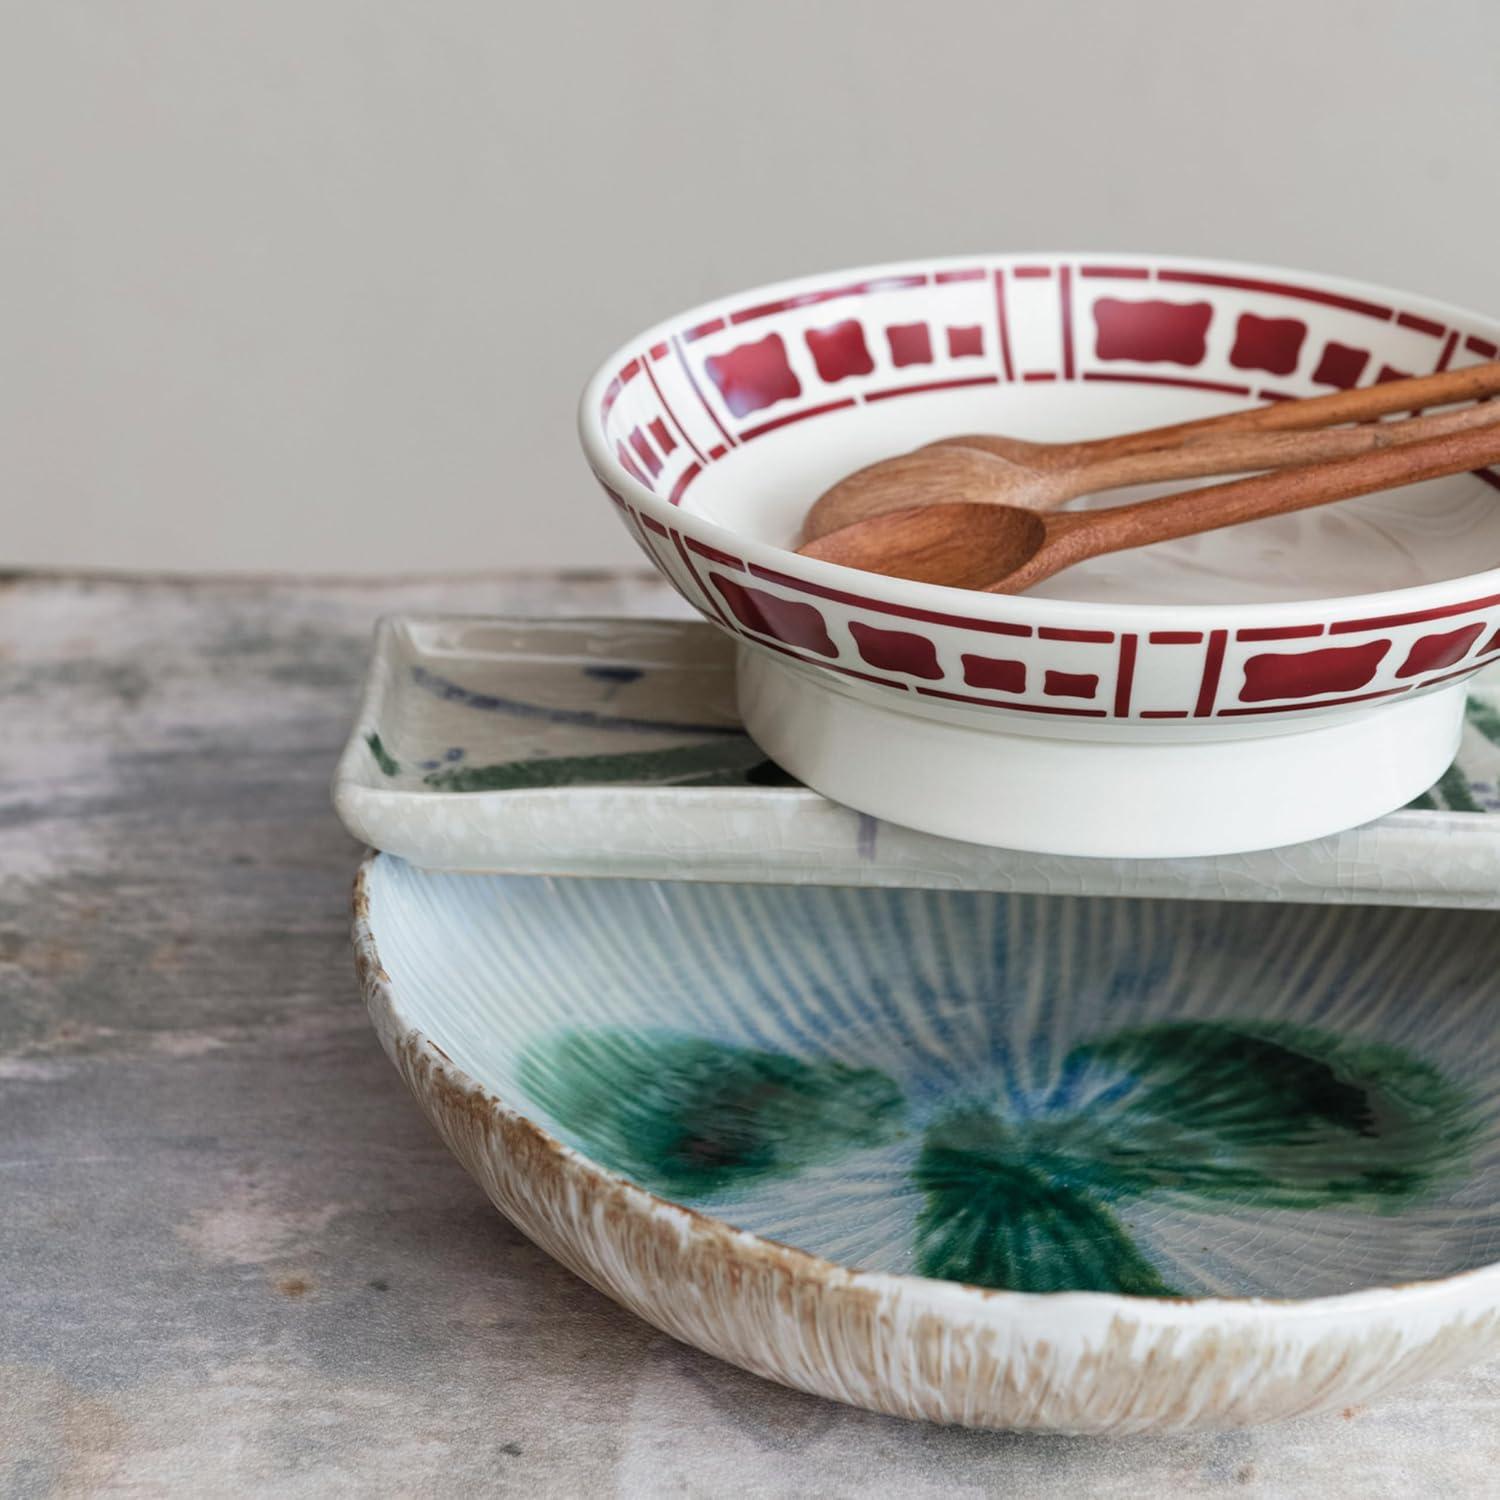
column 1007, row 549
column 236, row 1260
column 1042, row 476
column 1118, row 528
column 1472, row 383
column 1236, row 452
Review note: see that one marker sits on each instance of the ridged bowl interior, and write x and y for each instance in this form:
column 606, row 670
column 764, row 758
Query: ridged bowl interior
column 1035, row 1093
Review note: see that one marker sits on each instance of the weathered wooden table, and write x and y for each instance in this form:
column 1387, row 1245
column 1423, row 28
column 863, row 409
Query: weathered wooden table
column 233, row 1258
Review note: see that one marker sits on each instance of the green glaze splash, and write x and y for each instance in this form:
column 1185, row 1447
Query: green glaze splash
column 1026, row 1195
column 383, row 758
column 689, row 1117
column 1273, row 1116
column 992, row 1219
column 719, row 763
column 1227, row 1116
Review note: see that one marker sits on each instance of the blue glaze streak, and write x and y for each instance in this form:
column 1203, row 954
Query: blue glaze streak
column 452, row 692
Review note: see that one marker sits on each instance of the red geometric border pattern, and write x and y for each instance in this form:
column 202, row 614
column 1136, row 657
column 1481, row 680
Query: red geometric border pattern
column 838, row 641
column 1017, row 323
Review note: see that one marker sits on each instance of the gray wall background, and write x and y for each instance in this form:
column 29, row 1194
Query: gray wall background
column 313, row 284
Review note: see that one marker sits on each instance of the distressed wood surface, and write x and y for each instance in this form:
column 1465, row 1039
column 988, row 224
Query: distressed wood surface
column 234, row 1259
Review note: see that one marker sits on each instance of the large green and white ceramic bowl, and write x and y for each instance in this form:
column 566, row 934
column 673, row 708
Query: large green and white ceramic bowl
column 1011, row 1161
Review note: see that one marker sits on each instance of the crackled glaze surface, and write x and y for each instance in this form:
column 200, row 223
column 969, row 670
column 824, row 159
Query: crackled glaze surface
column 470, row 726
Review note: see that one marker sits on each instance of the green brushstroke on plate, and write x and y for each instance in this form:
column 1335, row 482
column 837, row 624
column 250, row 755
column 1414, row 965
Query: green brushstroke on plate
column 1485, row 717
column 718, row 763
column 1453, row 787
column 383, row 758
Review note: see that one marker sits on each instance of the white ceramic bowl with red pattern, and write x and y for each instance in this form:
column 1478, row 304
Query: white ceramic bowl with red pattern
column 1240, row 690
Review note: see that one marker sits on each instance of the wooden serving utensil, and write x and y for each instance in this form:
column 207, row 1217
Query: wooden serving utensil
column 1042, row 476
column 1006, row 549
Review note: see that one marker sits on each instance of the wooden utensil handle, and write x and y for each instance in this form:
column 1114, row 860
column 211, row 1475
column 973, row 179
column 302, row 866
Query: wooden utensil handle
column 1472, row 383
column 1091, row 533
column 1237, row 452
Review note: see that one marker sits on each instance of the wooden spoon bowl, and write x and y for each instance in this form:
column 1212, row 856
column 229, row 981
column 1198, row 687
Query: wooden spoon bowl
column 963, row 544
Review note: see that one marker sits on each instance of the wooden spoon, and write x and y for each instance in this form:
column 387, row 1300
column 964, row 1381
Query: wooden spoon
column 1006, row 549
column 1040, row 476
column 951, row 472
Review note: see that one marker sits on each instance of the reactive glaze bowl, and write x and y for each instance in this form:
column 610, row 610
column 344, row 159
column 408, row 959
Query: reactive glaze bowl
column 1235, row 691
column 1081, row 1164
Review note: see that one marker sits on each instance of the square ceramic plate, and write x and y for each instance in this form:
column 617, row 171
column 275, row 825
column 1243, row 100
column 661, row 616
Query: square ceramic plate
column 613, row 747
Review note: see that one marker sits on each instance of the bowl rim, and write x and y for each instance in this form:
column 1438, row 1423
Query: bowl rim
column 1467, row 1290
column 1016, row 607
